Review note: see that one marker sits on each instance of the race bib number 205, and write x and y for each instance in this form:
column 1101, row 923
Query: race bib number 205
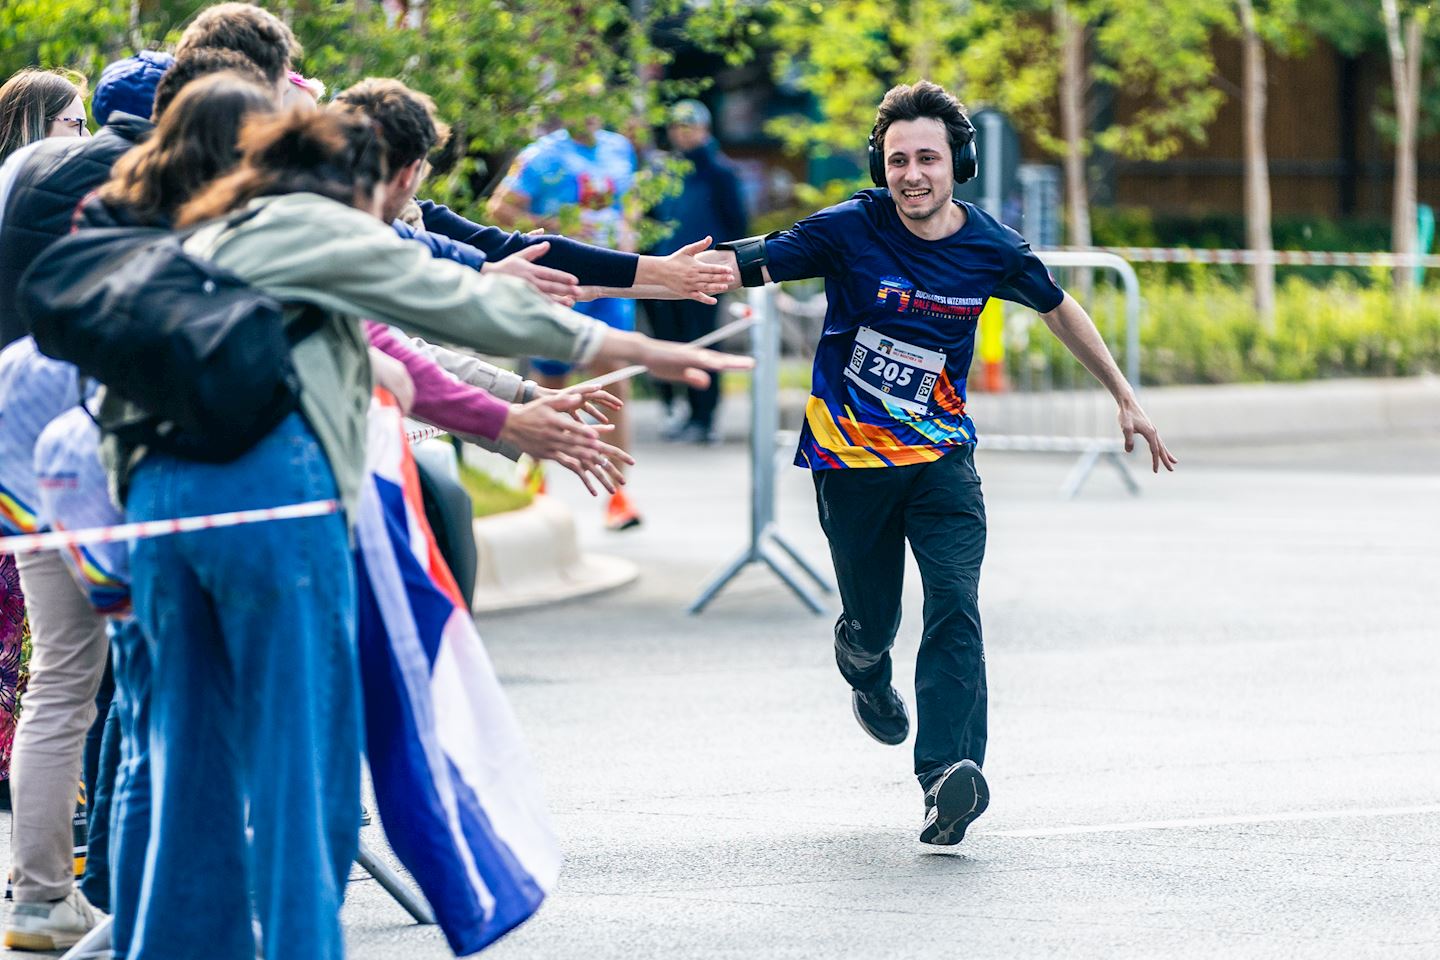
column 897, row 372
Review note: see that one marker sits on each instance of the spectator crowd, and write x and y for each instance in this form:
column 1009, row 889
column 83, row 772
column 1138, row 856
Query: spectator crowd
column 203, row 303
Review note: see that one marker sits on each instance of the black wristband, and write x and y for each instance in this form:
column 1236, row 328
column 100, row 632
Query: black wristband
column 750, row 257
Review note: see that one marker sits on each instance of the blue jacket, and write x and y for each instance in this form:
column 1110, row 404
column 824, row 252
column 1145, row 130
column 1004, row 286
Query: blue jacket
column 710, row 204
column 442, row 247
column 594, row 266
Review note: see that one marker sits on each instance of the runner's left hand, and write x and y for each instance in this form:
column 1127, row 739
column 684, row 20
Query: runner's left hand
column 1132, row 421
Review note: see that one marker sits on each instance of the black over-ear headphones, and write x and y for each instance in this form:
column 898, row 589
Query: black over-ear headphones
column 965, row 161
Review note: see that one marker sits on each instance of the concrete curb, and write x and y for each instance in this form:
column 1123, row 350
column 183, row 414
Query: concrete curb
column 531, row 557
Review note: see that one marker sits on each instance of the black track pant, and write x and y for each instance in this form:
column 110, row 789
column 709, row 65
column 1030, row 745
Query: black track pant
column 683, row 321
column 868, row 514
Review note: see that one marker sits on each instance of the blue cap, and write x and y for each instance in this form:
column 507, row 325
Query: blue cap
column 690, row 113
column 128, row 86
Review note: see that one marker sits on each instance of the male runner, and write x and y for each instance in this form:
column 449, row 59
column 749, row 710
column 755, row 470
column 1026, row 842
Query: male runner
column 907, row 270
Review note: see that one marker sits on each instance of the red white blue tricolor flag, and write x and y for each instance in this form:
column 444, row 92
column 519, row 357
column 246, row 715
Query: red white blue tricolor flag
column 457, row 793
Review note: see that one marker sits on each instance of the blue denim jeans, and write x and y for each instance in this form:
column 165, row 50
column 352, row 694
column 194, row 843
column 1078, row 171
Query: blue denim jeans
column 102, row 756
column 254, row 706
column 130, row 794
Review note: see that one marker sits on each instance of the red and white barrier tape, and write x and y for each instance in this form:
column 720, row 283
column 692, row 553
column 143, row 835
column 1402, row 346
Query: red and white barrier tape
column 61, row 539
column 424, row 433
column 1281, row 258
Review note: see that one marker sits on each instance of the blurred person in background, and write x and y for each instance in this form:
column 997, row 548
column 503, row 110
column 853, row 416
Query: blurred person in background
column 710, row 203
column 590, row 168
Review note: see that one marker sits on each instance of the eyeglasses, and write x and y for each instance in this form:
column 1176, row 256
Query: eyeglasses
column 75, row 123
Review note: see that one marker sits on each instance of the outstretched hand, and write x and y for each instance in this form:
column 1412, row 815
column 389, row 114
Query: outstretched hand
column 1132, row 421
column 558, row 285
column 595, row 401
column 547, row 429
column 693, row 279
column 689, row 365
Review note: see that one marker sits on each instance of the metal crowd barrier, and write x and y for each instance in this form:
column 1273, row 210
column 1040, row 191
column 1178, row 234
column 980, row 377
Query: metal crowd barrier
column 1057, row 406
column 765, row 539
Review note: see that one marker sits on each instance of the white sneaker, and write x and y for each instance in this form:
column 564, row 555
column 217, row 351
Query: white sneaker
column 50, row 926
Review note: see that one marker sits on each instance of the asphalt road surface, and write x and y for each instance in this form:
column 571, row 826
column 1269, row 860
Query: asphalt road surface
column 1215, row 729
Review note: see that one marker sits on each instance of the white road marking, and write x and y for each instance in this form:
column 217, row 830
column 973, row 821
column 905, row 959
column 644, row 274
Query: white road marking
column 1294, row 816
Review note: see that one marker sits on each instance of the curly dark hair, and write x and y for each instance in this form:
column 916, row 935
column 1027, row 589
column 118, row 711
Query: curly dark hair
column 924, row 99
column 247, row 29
column 406, row 117
column 200, row 63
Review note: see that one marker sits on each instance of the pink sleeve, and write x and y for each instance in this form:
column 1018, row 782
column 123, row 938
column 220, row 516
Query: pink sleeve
column 440, row 398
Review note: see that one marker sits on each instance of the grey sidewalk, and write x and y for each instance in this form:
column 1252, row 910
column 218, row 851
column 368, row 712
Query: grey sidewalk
column 1214, row 729
column 1246, row 648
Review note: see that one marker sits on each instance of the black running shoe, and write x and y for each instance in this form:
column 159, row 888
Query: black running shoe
column 882, row 715
column 953, row 802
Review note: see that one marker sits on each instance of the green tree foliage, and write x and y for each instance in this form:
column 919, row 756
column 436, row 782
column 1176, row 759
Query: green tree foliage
column 498, row 69
column 1000, row 53
column 1359, row 27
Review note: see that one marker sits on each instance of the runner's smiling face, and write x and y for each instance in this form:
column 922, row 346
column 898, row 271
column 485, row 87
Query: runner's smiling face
column 918, row 168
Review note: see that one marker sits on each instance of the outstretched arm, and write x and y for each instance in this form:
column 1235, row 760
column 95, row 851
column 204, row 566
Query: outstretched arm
column 1073, row 326
column 679, row 276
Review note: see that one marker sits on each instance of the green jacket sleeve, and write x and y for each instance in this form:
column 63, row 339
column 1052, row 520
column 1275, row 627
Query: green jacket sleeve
column 303, row 247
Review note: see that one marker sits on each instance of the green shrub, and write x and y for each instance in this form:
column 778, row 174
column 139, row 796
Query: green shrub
column 1206, row 331
column 489, row 496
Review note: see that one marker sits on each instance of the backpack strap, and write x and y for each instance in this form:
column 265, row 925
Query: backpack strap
column 309, row 320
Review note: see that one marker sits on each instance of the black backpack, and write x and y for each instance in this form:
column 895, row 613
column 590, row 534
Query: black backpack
column 203, row 355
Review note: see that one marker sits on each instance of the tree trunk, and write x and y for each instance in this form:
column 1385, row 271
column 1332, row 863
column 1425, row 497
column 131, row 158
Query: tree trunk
column 1072, row 123
column 1403, row 41
column 1258, row 235
column 132, row 27
column 922, row 48
column 1072, row 129
column 358, row 16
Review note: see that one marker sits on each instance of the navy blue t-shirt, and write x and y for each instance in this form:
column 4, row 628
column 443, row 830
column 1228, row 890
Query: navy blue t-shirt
column 889, row 381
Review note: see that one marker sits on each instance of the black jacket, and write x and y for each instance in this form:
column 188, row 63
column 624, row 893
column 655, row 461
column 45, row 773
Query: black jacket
column 41, row 207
